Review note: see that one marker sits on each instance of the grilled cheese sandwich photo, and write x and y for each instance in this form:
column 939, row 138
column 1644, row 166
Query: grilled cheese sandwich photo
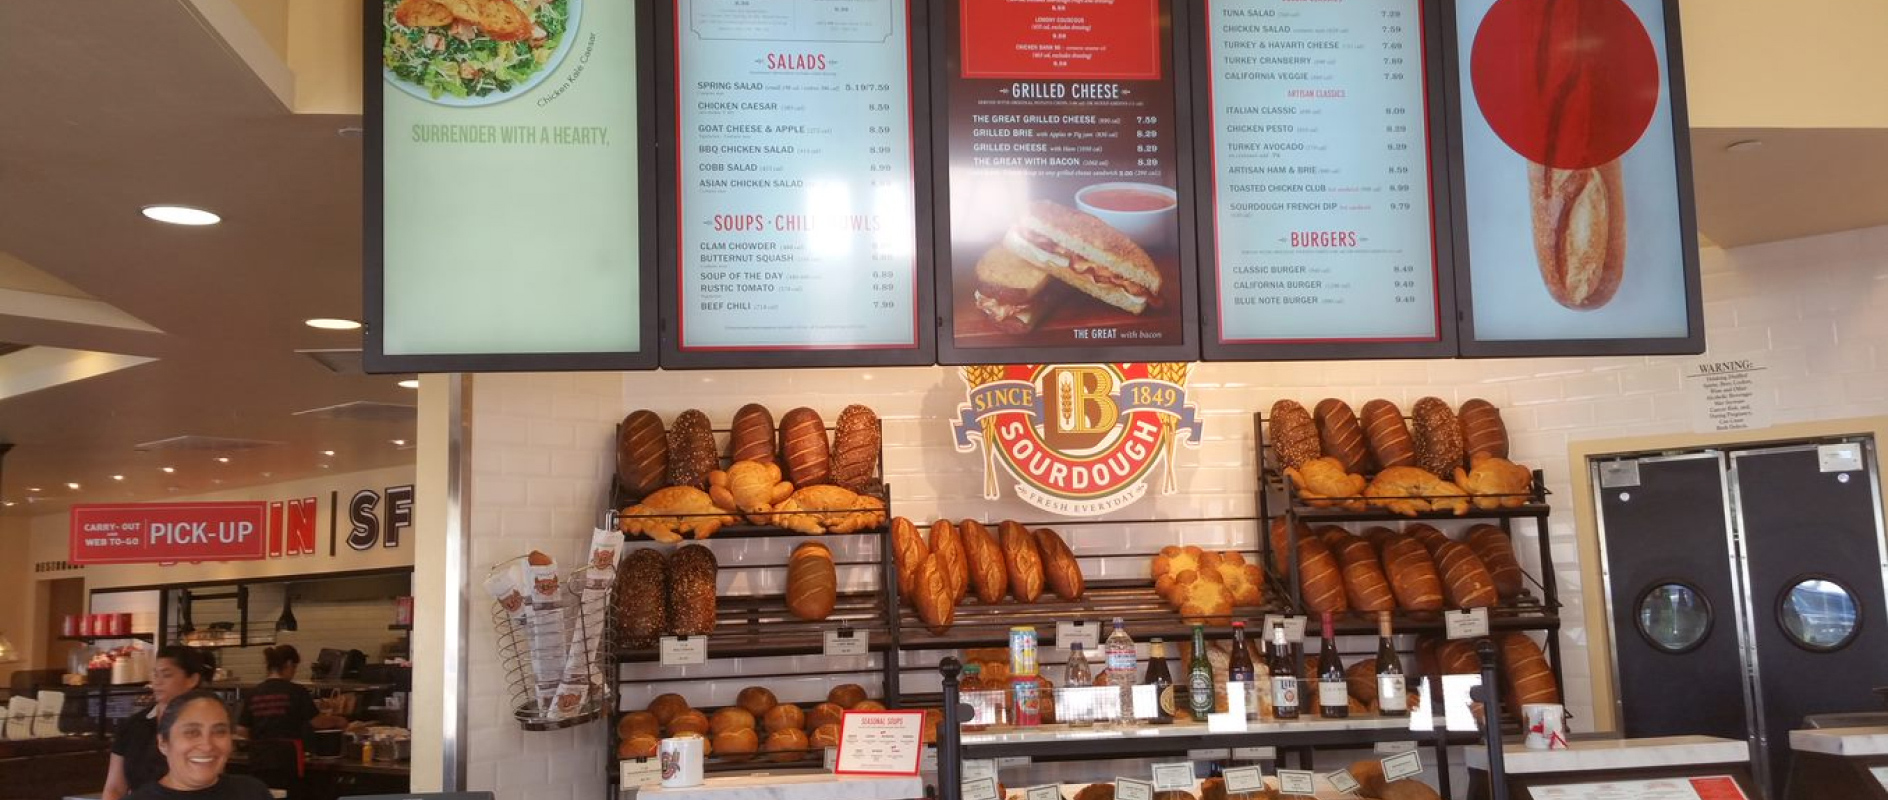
column 1084, row 252
column 1013, row 293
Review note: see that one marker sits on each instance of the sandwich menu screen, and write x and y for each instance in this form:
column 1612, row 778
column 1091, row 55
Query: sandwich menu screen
column 1065, row 206
column 795, row 216
column 1321, row 172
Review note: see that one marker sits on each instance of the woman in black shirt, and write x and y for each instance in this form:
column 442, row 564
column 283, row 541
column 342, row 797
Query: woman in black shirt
column 194, row 733
column 135, row 759
column 277, row 713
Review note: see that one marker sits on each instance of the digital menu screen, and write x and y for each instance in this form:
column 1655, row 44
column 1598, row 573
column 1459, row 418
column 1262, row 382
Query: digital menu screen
column 1067, row 196
column 1579, row 228
column 1321, row 172
column 795, row 220
column 503, row 188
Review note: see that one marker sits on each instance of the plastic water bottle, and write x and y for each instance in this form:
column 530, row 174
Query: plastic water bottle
column 1076, row 706
column 1122, row 666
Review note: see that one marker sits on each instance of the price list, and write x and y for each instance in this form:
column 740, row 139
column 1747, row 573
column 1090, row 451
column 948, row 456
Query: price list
column 795, row 189
column 1321, row 171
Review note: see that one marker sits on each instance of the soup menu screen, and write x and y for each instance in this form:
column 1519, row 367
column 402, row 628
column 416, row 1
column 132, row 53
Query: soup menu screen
column 1321, row 172
column 1065, row 207
column 795, row 213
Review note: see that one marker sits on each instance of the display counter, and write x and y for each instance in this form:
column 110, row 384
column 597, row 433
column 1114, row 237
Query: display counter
column 790, row 786
column 1839, row 762
column 52, row 767
column 1665, row 768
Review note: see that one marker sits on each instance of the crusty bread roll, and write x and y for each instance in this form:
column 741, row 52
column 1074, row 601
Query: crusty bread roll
column 1497, row 554
column 867, row 705
column 855, row 448
column 692, row 571
column 666, row 706
column 1390, row 443
column 757, row 700
column 931, row 595
column 824, row 736
column 1528, row 678
column 1096, row 791
column 1482, row 429
column 641, row 745
column 642, row 592
column 812, row 582
column 786, row 744
column 825, row 714
column 1438, row 436
column 1341, row 435
column 642, row 453
column 1407, row 789
column 1022, row 560
column 846, row 695
column 1294, row 436
column 948, row 547
column 692, row 450
column 690, row 721
column 988, row 575
column 1464, row 580
column 736, row 744
column 1365, row 585
column 1059, row 567
column 782, row 717
column 1412, row 575
column 636, row 722
column 803, row 446
column 908, row 551
column 731, row 718
column 752, row 436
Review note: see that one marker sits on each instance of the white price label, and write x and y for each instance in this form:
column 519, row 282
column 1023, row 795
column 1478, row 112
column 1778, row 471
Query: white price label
column 928, row 761
column 832, row 757
column 1294, row 627
column 1229, row 722
column 1343, row 782
column 1392, row 748
column 1146, row 701
column 847, row 642
column 1241, row 780
column 1068, row 634
column 681, row 651
column 1466, row 624
column 981, row 789
column 976, row 769
column 1406, row 765
column 638, row 772
column 1297, row 781
column 1012, row 761
column 1131, row 789
column 1220, row 754
column 1175, row 776
column 1047, row 791
column 1255, row 753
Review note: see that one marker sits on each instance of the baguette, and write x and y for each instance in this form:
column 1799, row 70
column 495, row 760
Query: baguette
column 984, row 556
column 1438, row 437
column 1059, row 567
column 692, row 450
column 1294, row 436
column 1482, row 429
column 1342, row 435
column 1022, row 560
column 1579, row 232
column 692, row 591
column 803, row 446
column 855, row 448
column 752, row 437
column 1497, row 553
column 1412, row 575
column 1390, row 443
column 642, row 454
column 908, row 553
column 1463, row 576
column 1365, row 585
column 812, row 582
column 948, row 548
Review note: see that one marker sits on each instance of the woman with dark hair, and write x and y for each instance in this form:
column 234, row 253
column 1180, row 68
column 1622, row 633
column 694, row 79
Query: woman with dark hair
column 194, row 734
column 276, row 714
column 135, row 759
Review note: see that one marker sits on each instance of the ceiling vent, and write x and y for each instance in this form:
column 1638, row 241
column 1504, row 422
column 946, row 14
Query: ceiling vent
column 339, row 362
column 202, row 444
column 365, row 411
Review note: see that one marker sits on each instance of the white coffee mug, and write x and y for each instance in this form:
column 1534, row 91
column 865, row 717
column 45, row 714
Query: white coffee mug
column 681, row 760
column 1546, row 726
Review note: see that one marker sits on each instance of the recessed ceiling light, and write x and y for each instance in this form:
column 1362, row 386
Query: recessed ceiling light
column 117, row 477
column 1744, row 146
column 327, row 452
column 222, row 459
column 70, row 485
column 399, row 443
column 181, row 215
column 32, row 488
column 9, row 504
column 168, row 470
column 410, row 383
column 331, row 324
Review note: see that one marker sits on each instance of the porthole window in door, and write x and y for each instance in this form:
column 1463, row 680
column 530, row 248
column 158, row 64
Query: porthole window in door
column 1819, row 614
column 1674, row 617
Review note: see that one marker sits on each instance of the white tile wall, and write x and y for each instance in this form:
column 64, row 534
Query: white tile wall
column 542, row 448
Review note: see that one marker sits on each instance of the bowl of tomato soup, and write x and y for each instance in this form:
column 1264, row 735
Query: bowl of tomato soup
column 1146, row 212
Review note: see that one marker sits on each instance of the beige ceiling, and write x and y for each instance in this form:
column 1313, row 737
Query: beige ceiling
column 115, row 104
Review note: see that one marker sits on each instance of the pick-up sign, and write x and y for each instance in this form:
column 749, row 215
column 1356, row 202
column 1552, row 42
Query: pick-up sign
column 143, row 533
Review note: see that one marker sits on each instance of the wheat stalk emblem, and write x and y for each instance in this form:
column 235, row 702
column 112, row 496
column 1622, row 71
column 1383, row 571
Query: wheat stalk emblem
column 978, row 376
column 1176, row 374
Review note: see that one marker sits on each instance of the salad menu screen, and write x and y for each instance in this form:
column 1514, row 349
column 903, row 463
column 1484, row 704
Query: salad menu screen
column 1321, row 172
column 795, row 221
column 1064, row 178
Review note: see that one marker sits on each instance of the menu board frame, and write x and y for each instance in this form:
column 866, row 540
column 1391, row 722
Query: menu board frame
column 667, row 74
column 374, row 357
column 946, row 16
column 1441, row 173
column 1693, row 341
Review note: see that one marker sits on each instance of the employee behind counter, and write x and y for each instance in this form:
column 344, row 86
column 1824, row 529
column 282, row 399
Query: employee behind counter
column 277, row 715
column 135, row 758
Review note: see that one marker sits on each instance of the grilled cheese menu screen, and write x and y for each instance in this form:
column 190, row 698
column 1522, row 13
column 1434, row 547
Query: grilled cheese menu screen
column 796, row 219
column 1064, row 203
column 1321, row 171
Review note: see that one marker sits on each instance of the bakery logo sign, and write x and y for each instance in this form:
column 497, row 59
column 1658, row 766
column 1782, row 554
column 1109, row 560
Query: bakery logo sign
column 1080, row 439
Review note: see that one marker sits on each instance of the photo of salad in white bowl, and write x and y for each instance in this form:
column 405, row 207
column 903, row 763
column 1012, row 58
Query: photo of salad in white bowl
column 475, row 52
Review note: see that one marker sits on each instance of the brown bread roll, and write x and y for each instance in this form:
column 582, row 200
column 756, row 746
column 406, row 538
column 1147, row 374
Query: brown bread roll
column 1483, row 430
column 1059, row 566
column 641, row 745
column 757, row 700
column 1528, row 678
column 1407, row 789
column 1294, row 436
column 692, row 450
column 1022, row 560
column 642, row 592
column 736, row 744
column 786, row 744
column 731, row 718
column 692, row 591
column 908, row 551
column 752, row 438
column 1497, row 553
column 824, row 736
column 856, row 448
column 638, row 722
column 1341, row 436
column 666, row 706
column 1320, row 576
column 642, row 453
column 931, row 596
column 803, row 446
column 867, row 705
column 825, row 714
column 812, row 583
column 988, row 576
column 1390, row 443
column 1213, row 789
column 1096, row 791
column 1438, row 437
column 1368, row 773
column 1365, row 585
column 846, row 695
column 948, row 548
column 1428, row 535
column 1464, row 580
column 782, row 717
column 690, row 721
column 1412, row 575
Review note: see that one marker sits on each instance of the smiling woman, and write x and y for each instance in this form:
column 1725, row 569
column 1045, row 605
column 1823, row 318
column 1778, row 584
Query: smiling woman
column 196, row 736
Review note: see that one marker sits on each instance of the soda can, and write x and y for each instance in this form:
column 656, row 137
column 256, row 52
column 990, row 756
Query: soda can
column 1026, row 701
column 1022, row 650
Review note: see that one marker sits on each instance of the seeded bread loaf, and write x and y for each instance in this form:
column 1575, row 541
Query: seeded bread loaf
column 1294, row 436
column 692, row 591
column 692, row 450
column 855, row 448
column 1438, row 437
